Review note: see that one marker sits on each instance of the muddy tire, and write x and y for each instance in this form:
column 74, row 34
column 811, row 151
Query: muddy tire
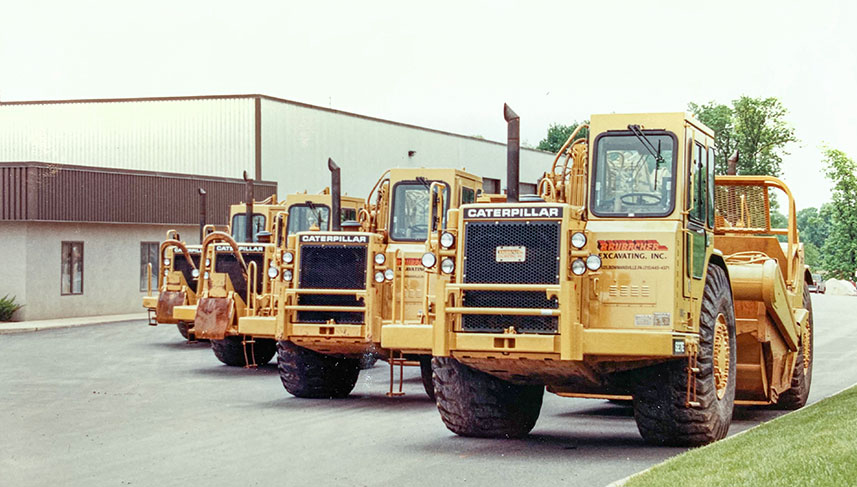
column 426, row 375
column 230, row 351
column 660, row 391
column 183, row 329
column 796, row 396
column 309, row 374
column 473, row 403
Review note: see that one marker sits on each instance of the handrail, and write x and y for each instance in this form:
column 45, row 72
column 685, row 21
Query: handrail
column 223, row 237
column 251, row 291
column 163, row 248
column 149, row 279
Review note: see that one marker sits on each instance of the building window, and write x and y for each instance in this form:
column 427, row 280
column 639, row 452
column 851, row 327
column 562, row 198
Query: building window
column 72, row 268
column 149, row 255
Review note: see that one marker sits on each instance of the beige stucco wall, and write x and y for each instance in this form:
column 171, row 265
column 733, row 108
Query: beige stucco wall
column 111, row 272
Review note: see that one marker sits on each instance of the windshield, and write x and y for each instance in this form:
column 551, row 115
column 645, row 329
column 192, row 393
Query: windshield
column 410, row 211
column 239, row 226
column 627, row 179
column 302, row 217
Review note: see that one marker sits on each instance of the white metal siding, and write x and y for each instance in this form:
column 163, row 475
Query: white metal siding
column 212, row 137
column 297, row 140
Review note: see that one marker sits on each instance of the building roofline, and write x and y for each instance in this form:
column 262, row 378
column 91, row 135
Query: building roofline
column 262, row 97
column 135, row 172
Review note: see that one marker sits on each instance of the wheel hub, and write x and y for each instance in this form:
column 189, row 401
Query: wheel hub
column 721, row 355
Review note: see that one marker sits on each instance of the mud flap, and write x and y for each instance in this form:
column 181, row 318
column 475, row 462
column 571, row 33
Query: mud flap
column 213, row 317
column 167, row 300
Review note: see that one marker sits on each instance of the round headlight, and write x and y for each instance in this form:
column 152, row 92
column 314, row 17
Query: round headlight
column 389, row 274
column 195, row 273
column 288, row 257
column 447, row 240
column 287, row 275
column 380, row 259
column 166, row 261
column 593, row 262
column 273, row 272
column 205, row 276
column 578, row 267
column 207, row 262
column 447, row 266
column 428, row 260
column 379, row 276
column 578, row 240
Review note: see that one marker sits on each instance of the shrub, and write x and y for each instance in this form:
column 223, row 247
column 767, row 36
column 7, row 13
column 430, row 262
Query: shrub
column 8, row 307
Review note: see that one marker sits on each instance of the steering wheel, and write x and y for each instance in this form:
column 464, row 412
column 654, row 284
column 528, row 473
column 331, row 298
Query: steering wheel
column 641, row 199
column 418, row 229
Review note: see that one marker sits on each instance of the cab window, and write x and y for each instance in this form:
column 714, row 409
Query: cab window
column 304, row 216
column 633, row 176
column 410, row 209
column 239, row 226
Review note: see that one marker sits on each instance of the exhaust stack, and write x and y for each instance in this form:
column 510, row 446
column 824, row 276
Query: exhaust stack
column 513, row 153
column 202, row 213
column 335, row 196
column 248, row 196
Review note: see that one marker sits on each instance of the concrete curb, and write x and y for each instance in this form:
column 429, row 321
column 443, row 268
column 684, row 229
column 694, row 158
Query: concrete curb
column 40, row 325
column 622, row 482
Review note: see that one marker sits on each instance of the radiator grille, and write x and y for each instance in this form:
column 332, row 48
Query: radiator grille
column 541, row 241
column 227, row 263
column 181, row 265
column 332, row 267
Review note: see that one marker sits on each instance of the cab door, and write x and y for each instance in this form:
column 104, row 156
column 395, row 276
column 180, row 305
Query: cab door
column 699, row 210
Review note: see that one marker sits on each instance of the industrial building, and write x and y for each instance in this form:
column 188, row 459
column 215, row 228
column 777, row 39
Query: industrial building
column 111, row 176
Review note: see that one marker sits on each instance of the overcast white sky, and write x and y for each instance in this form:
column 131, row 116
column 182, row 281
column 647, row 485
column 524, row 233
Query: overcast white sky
column 452, row 65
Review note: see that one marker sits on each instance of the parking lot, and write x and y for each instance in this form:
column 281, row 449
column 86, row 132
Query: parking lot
column 127, row 404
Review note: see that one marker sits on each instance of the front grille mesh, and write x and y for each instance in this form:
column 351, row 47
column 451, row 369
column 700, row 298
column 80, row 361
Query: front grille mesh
column 227, row 263
column 181, row 265
column 541, row 240
column 332, row 267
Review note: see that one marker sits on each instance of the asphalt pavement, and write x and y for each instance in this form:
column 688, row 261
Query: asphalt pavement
column 129, row 404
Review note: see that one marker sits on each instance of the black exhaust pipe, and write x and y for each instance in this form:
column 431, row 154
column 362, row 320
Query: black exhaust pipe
column 248, row 196
column 335, row 196
column 202, row 213
column 513, row 153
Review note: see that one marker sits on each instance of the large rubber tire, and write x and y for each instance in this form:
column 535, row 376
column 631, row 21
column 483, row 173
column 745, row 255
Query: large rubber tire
column 473, row 403
column 308, row 374
column 660, row 391
column 183, row 329
column 795, row 397
column 426, row 375
column 230, row 350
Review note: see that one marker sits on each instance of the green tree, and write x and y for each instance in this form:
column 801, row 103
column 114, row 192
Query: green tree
column 558, row 134
column 755, row 126
column 839, row 253
column 814, row 224
column 811, row 255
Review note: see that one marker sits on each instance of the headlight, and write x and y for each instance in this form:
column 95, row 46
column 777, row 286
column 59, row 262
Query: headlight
column 447, row 240
column 288, row 257
column 428, row 260
column 593, row 262
column 205, row 276
column 166, row 272
column 578, row 240
column 195, row 273
column 380, row 259
column 379, row 276
column 447, row 266
column 578, row 267
column 166, row 261
column 287, row 275
column 273, row 272
column 389, row 274
column 207, row 262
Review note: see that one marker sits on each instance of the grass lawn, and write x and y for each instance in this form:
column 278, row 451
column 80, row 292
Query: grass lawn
column 816, row 445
